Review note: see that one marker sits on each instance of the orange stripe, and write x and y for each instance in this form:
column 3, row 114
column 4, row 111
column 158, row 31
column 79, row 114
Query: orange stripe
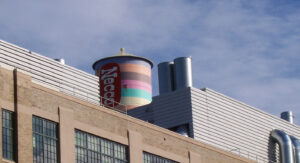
column 128, row 67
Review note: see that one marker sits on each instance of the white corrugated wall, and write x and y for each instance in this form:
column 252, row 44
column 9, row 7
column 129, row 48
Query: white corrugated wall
column 44, row 70
column 235, row 126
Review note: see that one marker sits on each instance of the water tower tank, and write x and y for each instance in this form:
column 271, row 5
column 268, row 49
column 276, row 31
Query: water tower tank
column 124, row 79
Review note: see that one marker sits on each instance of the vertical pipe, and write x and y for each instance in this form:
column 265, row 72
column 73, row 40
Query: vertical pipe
column 285, row 146
column 165, row 77
column 296, row 147
column 183, row 72
column 288, row 116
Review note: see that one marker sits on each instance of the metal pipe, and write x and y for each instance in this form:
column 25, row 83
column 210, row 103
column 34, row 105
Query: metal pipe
column 183, row 72
column 296, row 148
column 285, row 146
column 288, row 116
column 165, row 77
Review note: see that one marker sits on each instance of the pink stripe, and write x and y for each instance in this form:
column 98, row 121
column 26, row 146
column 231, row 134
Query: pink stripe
column 136, row 85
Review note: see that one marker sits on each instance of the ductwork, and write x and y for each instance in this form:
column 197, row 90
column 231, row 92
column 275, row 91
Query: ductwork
column 285, row 145
column 296, row 148
column 175, row 75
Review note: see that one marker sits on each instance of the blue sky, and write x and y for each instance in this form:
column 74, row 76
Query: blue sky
column 246, row 49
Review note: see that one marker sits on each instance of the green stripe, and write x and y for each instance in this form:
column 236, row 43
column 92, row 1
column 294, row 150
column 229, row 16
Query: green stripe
column 130, row 92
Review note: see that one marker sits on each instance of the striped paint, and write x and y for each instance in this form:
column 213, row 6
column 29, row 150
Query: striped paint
column 135, row 76
column 122, row 60
column 129, row 92
column 127, row 67
column 134, row 101
column 136, row 84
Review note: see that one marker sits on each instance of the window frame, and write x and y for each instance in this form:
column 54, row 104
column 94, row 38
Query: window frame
column 101, row 151
column 44, row 137
column 153, row 157
column 11, row 129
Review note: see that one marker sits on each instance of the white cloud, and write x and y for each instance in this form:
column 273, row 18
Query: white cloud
column 245, row 49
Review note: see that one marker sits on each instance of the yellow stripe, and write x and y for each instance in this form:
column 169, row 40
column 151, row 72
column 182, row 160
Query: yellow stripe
column 134, row 101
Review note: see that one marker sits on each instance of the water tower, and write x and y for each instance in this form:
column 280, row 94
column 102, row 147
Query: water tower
column 125, row 80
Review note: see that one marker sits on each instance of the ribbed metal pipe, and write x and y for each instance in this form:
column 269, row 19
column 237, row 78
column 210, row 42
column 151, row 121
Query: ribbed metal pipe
column 285, row 146
column 296, row 147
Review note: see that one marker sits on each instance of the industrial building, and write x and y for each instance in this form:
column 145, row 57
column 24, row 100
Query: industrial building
column 52, row 112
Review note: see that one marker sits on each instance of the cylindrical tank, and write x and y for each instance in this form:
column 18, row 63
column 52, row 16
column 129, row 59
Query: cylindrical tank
column 183, row 72
column 288, row 116
column 165, row 77
column 125, row 80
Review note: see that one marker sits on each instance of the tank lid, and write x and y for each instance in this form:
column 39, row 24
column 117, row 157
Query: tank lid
column 123, row 54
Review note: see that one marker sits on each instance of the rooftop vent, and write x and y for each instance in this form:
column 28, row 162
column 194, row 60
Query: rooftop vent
column 60, row 60
column 288, row 116
column 175, row 75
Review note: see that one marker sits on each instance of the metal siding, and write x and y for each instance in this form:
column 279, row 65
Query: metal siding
column 144, row 113
column 231, row 125
column 219, row 121
column 45, row 70
column 174, row 109
column 171, row 109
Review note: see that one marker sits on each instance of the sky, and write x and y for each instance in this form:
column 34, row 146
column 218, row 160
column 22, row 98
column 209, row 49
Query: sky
column 246, row 49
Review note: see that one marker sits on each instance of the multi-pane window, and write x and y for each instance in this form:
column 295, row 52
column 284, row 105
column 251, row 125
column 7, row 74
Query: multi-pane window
column 93, row 149
column 7, row 135
column 45, row 141
column 151, row 158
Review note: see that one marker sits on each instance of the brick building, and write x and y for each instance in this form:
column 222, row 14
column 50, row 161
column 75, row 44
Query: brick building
column 42, row 122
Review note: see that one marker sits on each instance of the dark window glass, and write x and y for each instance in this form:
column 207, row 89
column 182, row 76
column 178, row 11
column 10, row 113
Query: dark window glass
column 45, row 141
column 93, row 149
column 151, row 158
column 7, row 135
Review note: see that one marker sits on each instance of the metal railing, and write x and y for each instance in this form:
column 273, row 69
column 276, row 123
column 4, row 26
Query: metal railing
column 251, row 156
column 83, row 95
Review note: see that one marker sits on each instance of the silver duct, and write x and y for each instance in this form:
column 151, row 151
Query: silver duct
column 288, row 116
column 183, row 72
column 296, row 148
column 174, row 76
column 285, row 146
column 165, row 77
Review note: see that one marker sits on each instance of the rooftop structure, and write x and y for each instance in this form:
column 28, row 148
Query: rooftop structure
column 43, row 101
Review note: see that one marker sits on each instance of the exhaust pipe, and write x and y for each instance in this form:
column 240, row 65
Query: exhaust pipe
column 285, row 146
column 288, row 116
column 296, row 148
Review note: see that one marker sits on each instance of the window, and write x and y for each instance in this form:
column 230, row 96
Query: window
column 7, row 135
column 45, row 140
column 93, row 149
column 150, row 158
